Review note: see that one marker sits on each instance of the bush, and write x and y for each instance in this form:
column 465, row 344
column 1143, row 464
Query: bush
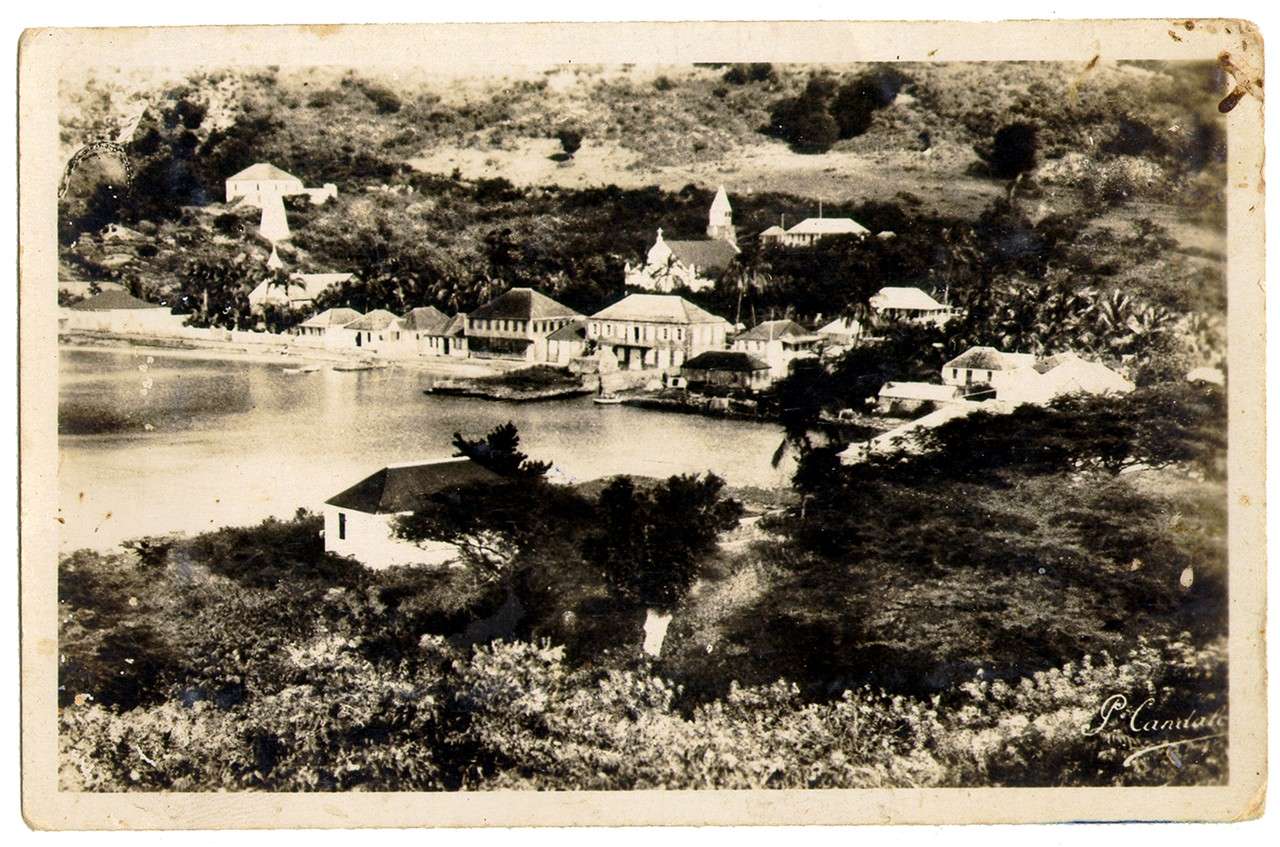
column 1012, row 151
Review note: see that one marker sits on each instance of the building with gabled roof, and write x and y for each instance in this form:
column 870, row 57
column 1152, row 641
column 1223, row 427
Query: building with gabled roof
column 119, row 311
column 692, row 264
column 426, row 331
column 655, row 331
column 909, row 304
column 258, row 181
column 810, row 231
column 779, row 343
column 360, row 520
column 984, row 366
column 903, row 398
column 567, row 342
column 515, row 325
column 327, row 328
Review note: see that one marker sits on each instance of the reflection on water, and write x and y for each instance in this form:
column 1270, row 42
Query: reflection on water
column 179, row 443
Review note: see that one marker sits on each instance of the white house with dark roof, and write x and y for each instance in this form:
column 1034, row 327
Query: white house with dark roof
column 726, row 369
column 660, row 331
column 984, row 366
column 515, row 325
column 566, row 343
column 120, row 311
column 360, row 521
column 779, row 343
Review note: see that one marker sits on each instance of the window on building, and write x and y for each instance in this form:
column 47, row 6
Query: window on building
column 342, row 526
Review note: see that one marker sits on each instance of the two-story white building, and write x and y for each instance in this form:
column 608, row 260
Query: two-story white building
column 515, row 325
column 659, row 331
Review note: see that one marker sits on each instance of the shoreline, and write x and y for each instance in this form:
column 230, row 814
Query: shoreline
column 88, row 341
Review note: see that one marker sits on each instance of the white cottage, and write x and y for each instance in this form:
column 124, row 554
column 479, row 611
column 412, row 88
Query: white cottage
column 778, row 343
column 360, row 521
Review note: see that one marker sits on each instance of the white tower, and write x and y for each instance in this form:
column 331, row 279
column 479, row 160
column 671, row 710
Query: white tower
column 720, row 219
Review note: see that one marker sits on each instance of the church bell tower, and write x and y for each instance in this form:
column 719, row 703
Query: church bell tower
column 720, row 219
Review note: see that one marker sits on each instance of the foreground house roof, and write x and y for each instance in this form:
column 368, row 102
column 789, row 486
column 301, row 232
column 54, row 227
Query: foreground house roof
column 522, row 304
column 904, row 298
column 264, row 172
column 726, row 360
column 990, row 359
column 332, row 317
column 711, row 254
column 405, row 487
column 769, row 330
column 659, row 308
column 112, row 300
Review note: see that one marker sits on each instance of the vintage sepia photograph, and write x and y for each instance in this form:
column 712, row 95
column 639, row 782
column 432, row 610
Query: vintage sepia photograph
column 649, row 423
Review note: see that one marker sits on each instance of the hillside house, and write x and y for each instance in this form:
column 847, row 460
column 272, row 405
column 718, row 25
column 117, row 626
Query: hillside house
column 327, row 328
column 726, row 369
column 120, row 311
column 693, row 264
column 655, row 331
column 566, row 343
column 515, row 325
column 360, row 521
column 1058, row 375
column 984, row 366
column 778, row 343
column 841, row 332
column 810, row 231
column 909, row 304
column 262, row 180
column 301, row 291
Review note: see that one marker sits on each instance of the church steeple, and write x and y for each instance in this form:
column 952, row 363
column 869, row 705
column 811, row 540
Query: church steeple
column 720, row 219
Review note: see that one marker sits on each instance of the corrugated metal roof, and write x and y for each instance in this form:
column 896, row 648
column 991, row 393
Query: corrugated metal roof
column 658, row 308
column 827, row 226
column 904, row 298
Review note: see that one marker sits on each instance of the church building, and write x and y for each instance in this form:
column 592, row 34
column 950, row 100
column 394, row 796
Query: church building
column 692, row 264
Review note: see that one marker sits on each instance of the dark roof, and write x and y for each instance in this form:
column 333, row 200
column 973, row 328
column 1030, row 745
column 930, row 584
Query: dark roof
column 109, row 300
column 522, row 304
column 403, row 488
column 769, row 330
column 574, row 331
column 712, row 254
column 426, row 319
column 726, row 360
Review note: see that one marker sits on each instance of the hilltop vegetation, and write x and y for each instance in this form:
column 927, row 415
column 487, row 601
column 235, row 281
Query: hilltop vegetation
column 452, row 190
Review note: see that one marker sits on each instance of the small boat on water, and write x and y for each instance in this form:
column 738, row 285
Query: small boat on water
column 607, row 399
column 359, row 366
column 302, row 369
